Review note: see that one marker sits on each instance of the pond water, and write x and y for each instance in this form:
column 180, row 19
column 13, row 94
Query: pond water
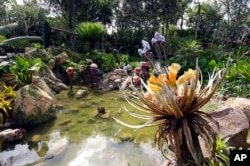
column 78, row 137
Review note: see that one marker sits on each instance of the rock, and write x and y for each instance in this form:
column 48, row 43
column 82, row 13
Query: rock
column 126, row 83
column 61, row 58
column 52, row 81
column 39, row 82
column 81, row 93
column 33, row 106
column 117, row 80
column 51, row 64
column 137, row 70
column 65, row 122
column 36, row 138
column 12, row 134
column 91, row 121
column 127, row 136
column 107, row 115
column 120, row 72
column 233, row 124
column 113, row 77
column 112, row 80
column 8, row 123
column 89, row 61
column 242, row 104
column 136, row 80
column 42, row 149
column 59, row 106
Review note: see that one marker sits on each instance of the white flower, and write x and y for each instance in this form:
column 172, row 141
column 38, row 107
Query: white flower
column 159, row 38
column 141, row 52
column 146, row 45
column 153, row 41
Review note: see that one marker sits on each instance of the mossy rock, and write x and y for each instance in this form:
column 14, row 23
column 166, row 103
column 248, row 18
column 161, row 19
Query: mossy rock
column 33, row 106
column 36, row 138
column 126, row 136
column 91, row 121
column 65, row 122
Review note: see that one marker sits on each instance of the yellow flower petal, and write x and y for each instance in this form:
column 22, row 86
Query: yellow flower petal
column 154, row 88
column 187, row 76
column 175, row 67
column 181, row 80
column 153, row 80
column 172, row 73
column 162, row 78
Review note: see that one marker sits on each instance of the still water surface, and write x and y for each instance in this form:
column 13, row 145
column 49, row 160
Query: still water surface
column 79, row 138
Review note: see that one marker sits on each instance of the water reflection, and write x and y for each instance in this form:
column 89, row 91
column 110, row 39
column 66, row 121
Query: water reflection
column 20, row 155
column 93, row 151
column 102, row 151
column 68, row 140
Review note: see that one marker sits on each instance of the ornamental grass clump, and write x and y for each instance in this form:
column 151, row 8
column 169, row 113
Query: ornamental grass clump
column 173, row 103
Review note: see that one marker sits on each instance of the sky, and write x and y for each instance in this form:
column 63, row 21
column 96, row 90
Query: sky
column 20, row 2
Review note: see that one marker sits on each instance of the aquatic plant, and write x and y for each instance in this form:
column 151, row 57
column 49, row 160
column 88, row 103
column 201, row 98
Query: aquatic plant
column 173, row 104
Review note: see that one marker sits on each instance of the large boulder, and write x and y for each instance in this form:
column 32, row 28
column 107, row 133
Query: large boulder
column 51, row 80
column 39, row 82
column 113, row 80
column 238, row 103
column 33, row 106
column 234, row 124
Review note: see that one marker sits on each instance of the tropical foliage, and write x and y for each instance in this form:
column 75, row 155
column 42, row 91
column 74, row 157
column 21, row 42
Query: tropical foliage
column 24, row 68
column 91, row 32
column 7, row 98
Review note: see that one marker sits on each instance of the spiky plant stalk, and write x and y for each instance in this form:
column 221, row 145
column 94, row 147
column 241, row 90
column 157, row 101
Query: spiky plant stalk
column 172, row 103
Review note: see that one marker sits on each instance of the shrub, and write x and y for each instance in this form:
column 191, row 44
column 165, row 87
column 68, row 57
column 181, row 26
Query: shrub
column 91, row 32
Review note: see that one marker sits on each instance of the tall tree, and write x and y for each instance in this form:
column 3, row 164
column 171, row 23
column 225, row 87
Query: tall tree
column 204, row 19
column 77, row 11
column 3, row 18
column 26, row 15
column 149, row 15
column 237, row 13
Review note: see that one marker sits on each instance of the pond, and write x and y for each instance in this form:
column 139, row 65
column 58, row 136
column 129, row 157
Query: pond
column 78, row 137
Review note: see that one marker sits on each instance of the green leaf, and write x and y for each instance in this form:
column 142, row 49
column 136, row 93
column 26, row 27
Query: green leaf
column 212, row 63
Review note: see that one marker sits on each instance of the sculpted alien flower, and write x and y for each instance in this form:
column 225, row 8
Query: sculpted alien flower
column 173, row 103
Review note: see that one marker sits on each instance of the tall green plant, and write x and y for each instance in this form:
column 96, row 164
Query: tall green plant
column 238, row 76
column 91, row 32
column 24, row 68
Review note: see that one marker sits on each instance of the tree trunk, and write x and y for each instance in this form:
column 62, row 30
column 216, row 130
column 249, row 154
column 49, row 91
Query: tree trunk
column 198, row 20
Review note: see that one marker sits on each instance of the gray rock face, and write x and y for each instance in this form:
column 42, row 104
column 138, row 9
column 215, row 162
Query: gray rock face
column 51, row 80
column 242, row 104
column 234, row 124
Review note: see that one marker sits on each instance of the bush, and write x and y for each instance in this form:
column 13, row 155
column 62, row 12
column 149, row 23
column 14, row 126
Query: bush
column 91, row 32
column 105, row 61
